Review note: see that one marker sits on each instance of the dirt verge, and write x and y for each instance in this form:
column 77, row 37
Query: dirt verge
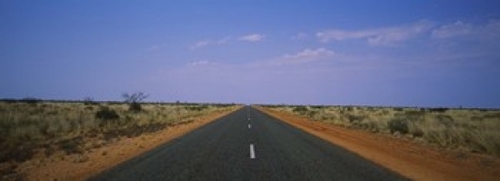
column 83, row 166
column 413, row 160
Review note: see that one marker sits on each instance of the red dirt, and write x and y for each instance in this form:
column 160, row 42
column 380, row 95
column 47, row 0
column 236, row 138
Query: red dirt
column 408, row 158
column 63, row 167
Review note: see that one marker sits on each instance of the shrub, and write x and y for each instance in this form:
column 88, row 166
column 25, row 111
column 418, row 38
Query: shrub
column 300, row 109
column 397, row 109
column 412, row 115
column 354, row 118
column 398, row 124
column 439, row 109
column 196, row 108
column 89, row 101
column 71, row 146
column 31, row 100
column 445, row 120
column 106, row 113
column 135, row 107
column 417, row 132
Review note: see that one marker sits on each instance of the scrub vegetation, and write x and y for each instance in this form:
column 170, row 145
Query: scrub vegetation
column 474, row 130
column 31, row 127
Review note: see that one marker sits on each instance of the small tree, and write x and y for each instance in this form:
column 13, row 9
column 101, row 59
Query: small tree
column 133, row 100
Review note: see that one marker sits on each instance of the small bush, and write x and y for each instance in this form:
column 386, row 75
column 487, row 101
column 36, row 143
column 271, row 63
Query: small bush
column 398, row 125
column 20, row 151
column 71, row 146
column 355, row 118
column 492, row 116
column 417, row 132
column 397, row 109
column 197, row 108
column 412, row 115
column 48, row 151
column 300, row 109
column 31, row 100
column 134, row 130
column 106, row 113
column 89, row 101
column 135, row 107
column 439, row 109
column 445, row 120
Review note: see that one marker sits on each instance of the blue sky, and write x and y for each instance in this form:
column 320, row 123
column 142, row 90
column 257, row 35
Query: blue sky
column 395, row 53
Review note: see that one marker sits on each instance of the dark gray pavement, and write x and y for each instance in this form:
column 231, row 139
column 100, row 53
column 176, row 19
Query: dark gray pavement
column 222, row 150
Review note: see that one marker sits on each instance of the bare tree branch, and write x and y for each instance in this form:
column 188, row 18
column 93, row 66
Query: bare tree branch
column 135, row 97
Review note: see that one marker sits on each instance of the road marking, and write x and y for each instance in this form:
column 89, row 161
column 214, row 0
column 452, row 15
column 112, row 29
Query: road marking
column 249, row 126
column 249, row 119
column 252, row 152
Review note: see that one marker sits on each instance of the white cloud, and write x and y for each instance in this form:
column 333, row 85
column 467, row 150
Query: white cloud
column 451, row 30
column 223, row 40
column 154, row 47
column 379, row 36
column 311, row 54
column 252, row 37
column 304, row 56
column 199, row 63
column 494, row 26
column 226, row 40
column 460, row 29
column 335, row 34
column 200, row 44
column 204, row 43
column 300, row 36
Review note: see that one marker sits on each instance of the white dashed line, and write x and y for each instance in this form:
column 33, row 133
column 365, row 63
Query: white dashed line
column 252, row 152
column 249, row 126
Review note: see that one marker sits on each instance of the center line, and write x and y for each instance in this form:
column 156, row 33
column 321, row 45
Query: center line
column 249, row 126
column 252, row 152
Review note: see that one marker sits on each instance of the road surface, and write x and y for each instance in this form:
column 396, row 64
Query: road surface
column 248, row 145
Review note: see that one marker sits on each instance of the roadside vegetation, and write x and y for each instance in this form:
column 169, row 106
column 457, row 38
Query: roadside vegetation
column 31, row 127
column 473, row 130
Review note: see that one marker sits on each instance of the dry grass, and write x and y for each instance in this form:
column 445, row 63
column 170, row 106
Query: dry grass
column 474, row 130
column 30, row 128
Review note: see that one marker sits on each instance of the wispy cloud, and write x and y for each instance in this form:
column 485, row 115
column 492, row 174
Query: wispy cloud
column 451, row 30
column 307, row 55
column 301, row 57
column 310, row 54
column 226, row 40
column 379, row 36
column 300, row 36
column 460, row 29
column 207, row 42
column 252, row 37
column 156, row 47
column 200, row 44
column 198, row 63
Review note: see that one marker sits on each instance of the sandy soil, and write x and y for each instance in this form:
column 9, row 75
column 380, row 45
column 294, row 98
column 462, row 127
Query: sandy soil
column 409, row 158
column 81, row 167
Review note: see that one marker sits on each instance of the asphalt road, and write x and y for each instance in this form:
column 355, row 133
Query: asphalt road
column 248, row 145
